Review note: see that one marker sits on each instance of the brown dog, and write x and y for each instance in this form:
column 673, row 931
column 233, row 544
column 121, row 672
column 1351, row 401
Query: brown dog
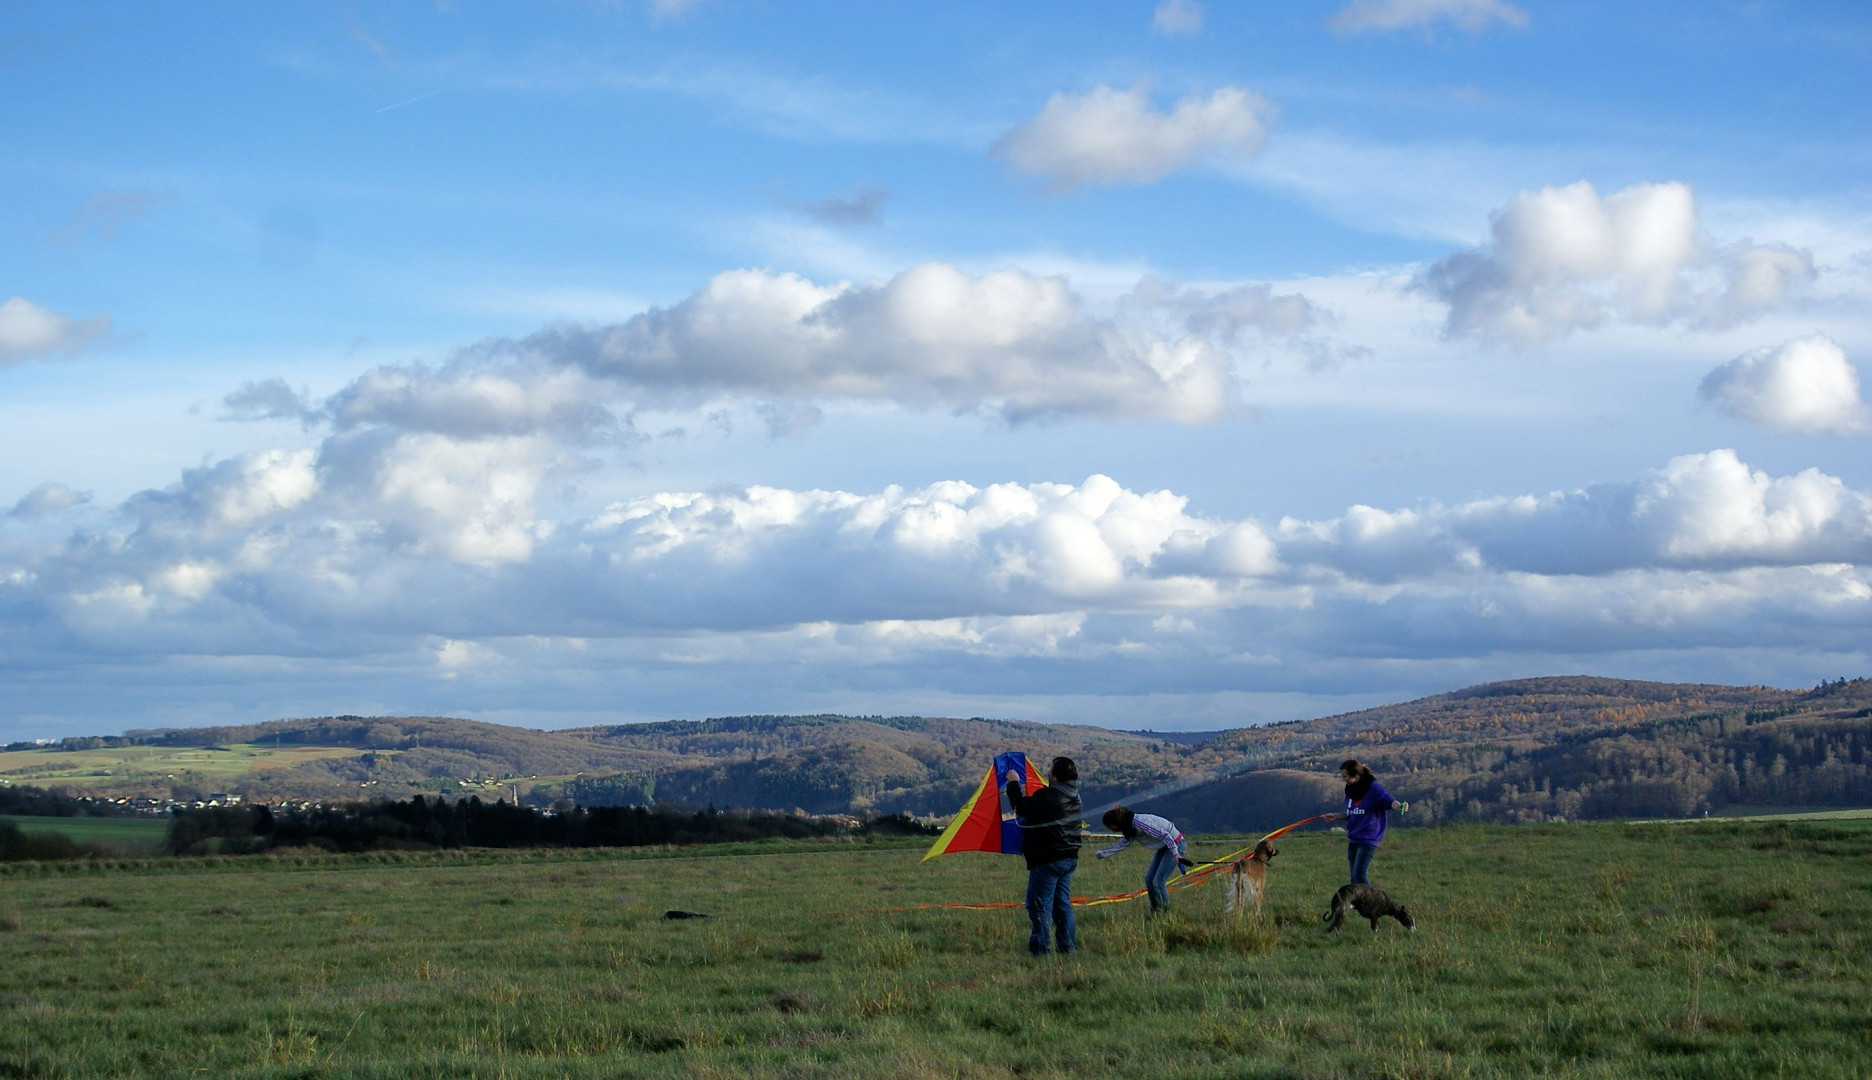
column 1247, row 880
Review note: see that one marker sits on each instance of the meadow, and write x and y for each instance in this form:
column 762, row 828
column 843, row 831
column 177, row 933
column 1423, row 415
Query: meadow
column 1607, row 950
column 117, row 835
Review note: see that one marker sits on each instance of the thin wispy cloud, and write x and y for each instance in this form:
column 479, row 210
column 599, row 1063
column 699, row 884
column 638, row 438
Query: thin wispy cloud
column 803, row 108
column 409, row 101
column 1177, row 18
column 1471, row 15
column 864, row 206
column 104, row 214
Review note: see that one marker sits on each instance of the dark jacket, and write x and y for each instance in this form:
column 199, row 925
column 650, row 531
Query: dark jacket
column 1050, row 825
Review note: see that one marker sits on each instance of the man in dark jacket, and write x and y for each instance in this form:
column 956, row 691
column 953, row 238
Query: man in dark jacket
column 1050, row 838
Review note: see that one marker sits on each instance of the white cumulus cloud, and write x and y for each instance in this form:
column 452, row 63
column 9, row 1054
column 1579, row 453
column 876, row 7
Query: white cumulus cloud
column 1565, row 259
column 1805, row 385
column 1108, row 136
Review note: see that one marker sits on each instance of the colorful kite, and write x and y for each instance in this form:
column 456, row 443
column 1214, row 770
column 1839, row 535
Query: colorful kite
column 984, row 822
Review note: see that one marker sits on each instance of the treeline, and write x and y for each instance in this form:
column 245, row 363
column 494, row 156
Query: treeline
column 419, row 823
column 28, row 801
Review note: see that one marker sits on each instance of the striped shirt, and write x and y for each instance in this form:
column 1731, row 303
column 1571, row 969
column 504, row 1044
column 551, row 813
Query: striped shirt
column 1153, row 832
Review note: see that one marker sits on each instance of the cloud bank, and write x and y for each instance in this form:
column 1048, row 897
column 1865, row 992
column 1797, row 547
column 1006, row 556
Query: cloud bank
column 1008, row 343
column 377, row 544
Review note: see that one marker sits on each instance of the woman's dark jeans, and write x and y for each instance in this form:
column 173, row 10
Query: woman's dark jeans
column 1358, row 858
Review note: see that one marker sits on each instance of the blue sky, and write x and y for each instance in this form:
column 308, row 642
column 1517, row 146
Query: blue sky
column 1174, row 365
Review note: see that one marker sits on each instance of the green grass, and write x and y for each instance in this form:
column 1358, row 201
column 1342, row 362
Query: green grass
column 125, row 835
column 1717, row 950
column 1765, row 813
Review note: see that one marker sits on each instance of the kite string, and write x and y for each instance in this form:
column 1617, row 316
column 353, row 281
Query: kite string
column 1201, row 873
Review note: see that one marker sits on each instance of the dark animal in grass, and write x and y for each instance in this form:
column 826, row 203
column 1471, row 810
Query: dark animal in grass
column 677, row 913
column 1369, row 902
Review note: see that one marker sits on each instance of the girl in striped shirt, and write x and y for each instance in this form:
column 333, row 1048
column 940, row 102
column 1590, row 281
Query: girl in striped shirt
column 1154, row 834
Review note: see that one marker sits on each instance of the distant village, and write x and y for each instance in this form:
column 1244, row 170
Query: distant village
column 156, row 807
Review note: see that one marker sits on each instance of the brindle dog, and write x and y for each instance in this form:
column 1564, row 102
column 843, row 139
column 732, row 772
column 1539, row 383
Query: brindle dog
column 1372, row 903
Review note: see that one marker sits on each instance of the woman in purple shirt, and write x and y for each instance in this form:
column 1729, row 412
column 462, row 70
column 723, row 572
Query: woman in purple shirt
column 1366, row 801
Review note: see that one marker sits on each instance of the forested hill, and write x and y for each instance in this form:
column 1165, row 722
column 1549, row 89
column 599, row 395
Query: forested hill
column 821, row 764
column 1553, row 749
column 1536, row 749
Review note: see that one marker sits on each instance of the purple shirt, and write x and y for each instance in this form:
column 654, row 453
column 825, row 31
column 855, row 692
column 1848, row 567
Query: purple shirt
column 1365, row 818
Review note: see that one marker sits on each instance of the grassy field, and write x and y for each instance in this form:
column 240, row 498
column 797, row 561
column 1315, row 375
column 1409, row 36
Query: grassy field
column 155, row 767
column 1765, row 813
column 1718, row 950
column 126, row 835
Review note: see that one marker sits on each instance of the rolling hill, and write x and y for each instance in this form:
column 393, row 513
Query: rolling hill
column 1560, row 748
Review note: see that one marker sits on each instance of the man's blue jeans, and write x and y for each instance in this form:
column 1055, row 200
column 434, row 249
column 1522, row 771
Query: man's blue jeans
column 1358, row 859
column 1157, row 877
column 1049, row 898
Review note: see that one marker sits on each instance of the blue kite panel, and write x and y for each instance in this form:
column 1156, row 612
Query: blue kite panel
column 1015, row 762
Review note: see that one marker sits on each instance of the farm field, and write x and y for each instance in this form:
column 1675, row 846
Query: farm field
column 108, row 768
column 127, row 835
column 1606, row 950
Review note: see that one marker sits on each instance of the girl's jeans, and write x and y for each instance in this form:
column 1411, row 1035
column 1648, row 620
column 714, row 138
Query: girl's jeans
column 1358, row 858
column 1157, row 878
